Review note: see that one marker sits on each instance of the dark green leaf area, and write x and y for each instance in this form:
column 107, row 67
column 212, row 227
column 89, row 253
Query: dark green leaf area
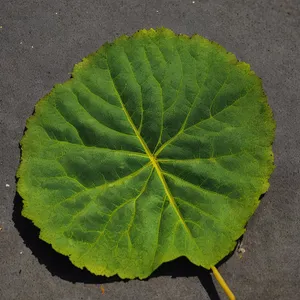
column 159, row 146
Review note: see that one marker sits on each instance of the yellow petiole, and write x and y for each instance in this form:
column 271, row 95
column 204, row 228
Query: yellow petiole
column 223, row 284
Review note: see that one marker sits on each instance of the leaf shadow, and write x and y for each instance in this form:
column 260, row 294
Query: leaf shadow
column 60, row 265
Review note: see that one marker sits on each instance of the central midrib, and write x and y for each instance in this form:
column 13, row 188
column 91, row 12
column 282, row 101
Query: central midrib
column 157, row 168
column 151, row 157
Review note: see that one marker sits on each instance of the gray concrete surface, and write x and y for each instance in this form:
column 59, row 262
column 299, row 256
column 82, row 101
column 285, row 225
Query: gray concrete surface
column 41, row 40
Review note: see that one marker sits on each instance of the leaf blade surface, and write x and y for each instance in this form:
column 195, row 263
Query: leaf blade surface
column 158, row 147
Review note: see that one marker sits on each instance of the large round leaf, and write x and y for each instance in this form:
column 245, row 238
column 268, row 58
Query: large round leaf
column 158, row 147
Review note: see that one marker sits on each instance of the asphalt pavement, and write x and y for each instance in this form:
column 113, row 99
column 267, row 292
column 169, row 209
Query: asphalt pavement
column 40, row 41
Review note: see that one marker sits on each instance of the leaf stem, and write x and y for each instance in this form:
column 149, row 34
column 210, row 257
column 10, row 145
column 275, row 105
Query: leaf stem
column 223, row 284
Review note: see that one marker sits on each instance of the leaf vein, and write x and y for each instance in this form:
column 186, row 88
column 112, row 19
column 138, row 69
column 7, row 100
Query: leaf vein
column 175, row 177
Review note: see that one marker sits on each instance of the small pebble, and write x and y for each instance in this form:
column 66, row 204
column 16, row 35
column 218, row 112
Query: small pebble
column 21, row 252
column 241, row 250
column 21, row 43
column 32, row 47
column 193, row 1
column 7, row 185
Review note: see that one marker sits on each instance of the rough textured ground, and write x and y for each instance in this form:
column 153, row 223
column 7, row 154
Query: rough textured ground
column 41, row 41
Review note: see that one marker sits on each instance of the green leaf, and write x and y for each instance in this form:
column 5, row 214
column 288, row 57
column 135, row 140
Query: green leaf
column 159, row 146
